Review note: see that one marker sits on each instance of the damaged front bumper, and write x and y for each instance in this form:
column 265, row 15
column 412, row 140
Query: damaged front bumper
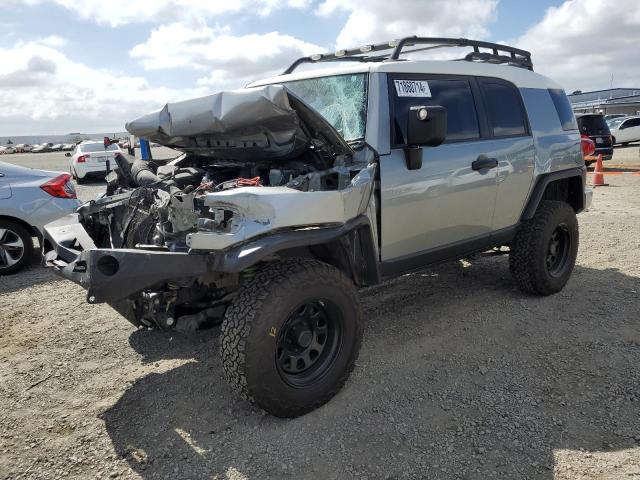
column 112, row 275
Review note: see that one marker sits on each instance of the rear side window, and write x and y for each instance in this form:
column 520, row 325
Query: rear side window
column 563, row 107
column 454, row 95
column 634, row 122
column 504, row 109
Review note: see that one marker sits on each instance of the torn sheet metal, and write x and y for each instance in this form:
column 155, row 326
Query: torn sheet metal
column 238, row 124
column 244, row 213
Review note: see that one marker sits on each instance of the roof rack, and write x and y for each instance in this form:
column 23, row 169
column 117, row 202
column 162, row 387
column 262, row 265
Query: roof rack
column 500, row 54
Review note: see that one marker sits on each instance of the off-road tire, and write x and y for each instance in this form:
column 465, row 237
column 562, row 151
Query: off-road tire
column 253, row 321
column 27, row 240
column 529, row 249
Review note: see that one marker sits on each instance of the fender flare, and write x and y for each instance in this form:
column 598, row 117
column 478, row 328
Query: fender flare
column 543, row 181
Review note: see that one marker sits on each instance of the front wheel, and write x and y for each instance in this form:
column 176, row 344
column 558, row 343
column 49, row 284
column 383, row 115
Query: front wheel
column 291, row 336
column 544, row 250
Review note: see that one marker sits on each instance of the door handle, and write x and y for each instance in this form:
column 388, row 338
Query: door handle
column 484, row 162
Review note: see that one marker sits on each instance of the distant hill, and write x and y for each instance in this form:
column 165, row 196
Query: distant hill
column 69, row 138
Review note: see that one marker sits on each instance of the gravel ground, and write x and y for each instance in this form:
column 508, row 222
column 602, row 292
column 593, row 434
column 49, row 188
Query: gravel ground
column 460, row 376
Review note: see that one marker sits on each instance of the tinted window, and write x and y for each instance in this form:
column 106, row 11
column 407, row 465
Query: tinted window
column 454, row 95
column 634, row 122
column 563, row 107
column 593, row 125
column 504, row 109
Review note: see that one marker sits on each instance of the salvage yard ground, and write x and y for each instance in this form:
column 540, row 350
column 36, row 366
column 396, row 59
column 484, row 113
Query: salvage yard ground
column 460, row 376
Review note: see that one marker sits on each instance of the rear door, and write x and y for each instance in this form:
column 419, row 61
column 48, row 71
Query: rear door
column 445, row 202
column 509, row 140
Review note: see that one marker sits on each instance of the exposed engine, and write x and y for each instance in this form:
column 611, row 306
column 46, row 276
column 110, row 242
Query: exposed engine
column 255, row 162
column 152, row 204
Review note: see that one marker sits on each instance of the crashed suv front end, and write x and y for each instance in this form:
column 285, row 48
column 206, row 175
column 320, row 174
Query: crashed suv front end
column 263, row 176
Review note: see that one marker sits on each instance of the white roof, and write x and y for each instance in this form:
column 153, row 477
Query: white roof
column 520, row 77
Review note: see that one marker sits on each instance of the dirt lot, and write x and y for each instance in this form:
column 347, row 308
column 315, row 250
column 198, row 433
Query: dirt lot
column 460, row 376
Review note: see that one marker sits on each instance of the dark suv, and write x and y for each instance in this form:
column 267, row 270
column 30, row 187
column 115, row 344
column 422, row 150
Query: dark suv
column 594, row 126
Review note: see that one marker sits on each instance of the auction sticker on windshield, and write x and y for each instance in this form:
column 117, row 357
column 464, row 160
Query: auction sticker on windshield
column 412, row 88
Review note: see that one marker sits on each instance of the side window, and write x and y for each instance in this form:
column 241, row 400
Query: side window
column 504, row 109
column 454, row 95
column 634, row 122
column 563, row 108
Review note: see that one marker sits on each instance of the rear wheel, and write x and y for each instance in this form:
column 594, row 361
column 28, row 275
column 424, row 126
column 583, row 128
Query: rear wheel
column 291, row 336
column 79, row 181
column 544, row 250
column 16, row 247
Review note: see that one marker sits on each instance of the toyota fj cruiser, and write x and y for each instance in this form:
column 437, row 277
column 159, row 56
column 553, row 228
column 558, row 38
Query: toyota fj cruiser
column 296, row 191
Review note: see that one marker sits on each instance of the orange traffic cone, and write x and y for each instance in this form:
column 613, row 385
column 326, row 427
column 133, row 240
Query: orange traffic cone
column 598, row 174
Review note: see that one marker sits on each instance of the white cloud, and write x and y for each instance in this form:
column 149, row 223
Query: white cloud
column 582, row 43
column 41, row 86
column 230, row 60
column 371, row 21
column 121, row 12
column 54, row 41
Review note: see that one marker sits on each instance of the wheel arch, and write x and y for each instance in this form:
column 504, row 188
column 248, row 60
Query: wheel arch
column 566, row 186
column 353, row 253
column 29, row 228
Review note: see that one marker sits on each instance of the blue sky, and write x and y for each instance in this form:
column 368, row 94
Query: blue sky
column 90, row 64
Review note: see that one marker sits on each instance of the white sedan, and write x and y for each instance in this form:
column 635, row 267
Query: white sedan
column 89, row 160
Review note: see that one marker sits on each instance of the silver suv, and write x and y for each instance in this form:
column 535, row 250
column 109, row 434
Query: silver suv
column 298, row 190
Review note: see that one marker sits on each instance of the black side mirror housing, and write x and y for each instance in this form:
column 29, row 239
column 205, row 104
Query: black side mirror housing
column 68, row 154
column 426, row 126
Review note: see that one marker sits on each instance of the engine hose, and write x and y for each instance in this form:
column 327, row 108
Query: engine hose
column 143, row 176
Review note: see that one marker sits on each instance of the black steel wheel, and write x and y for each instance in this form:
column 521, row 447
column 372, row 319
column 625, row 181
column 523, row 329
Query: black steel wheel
column 308, row 342
column 558, row 250
column 291, row 336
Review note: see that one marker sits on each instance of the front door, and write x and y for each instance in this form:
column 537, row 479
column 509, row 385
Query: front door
column 446, row 202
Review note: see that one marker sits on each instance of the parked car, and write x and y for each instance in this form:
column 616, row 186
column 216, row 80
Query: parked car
column 594, row 126
column 56, row 148
column 6, row 150
column 379, row 168
column 611, row 116
column 43, row 147
column 23, row 148
column 89, row 160
column 68, row 147
column 29, row 199
column 625, row 130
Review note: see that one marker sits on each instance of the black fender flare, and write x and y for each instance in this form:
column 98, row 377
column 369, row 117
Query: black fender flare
column 543, row 181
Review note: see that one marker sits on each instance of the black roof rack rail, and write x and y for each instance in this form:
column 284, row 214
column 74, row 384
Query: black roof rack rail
column 500, row 54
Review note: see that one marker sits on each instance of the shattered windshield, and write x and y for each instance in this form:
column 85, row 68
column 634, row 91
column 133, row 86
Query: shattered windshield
column 340, row 99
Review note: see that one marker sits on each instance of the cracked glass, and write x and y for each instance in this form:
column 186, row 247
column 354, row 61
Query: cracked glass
column 340, row 99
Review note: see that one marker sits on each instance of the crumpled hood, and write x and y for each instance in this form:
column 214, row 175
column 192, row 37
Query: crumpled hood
column 251, row 124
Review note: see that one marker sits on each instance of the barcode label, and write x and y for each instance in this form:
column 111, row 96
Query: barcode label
column 412, row 88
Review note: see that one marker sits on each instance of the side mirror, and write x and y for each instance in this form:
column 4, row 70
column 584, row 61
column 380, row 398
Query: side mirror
column 68, row 154
column 426, row 126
